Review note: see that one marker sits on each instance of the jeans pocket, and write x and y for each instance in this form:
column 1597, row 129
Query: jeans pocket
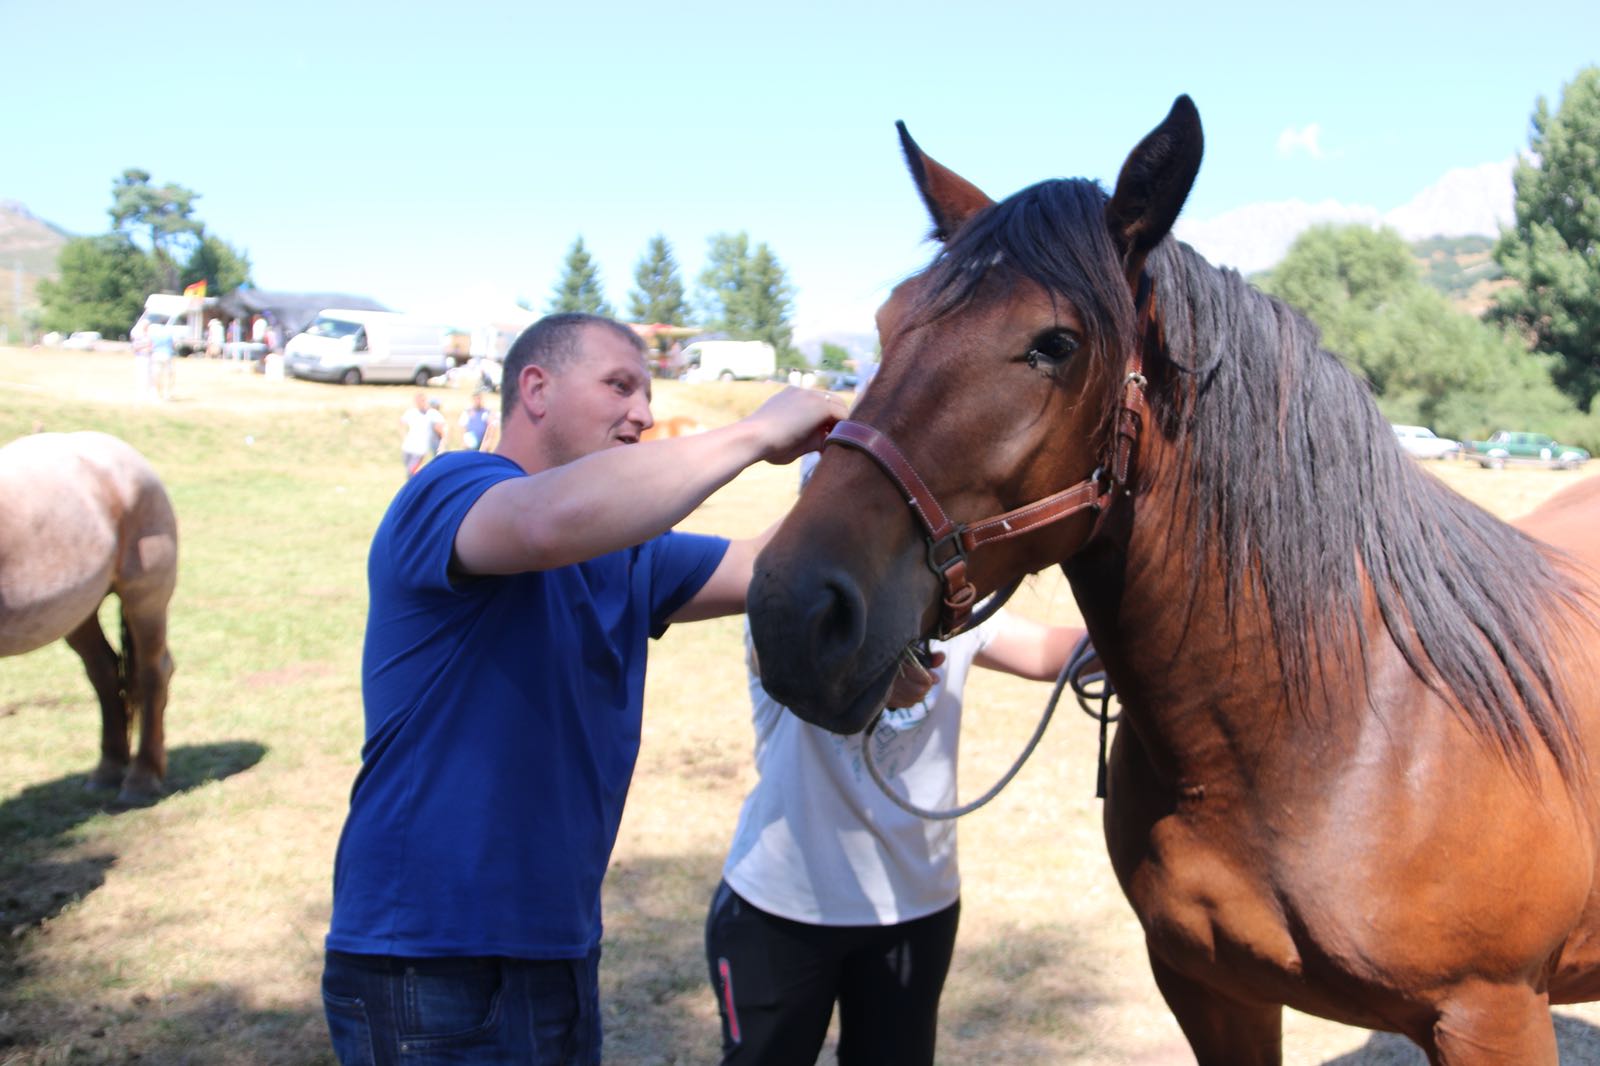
column 349, row 1029
column 450, row 1002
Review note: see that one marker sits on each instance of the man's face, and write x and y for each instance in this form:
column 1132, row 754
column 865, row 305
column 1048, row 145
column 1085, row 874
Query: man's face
column 599, row 400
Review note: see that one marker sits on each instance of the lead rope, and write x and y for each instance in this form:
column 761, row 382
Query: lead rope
column 1085, row 687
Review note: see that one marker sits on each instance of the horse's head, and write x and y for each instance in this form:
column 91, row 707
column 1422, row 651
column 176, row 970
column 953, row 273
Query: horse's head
column 1004, row 383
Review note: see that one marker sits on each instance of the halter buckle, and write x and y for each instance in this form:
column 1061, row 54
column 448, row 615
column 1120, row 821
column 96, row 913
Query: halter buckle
column 958, row 554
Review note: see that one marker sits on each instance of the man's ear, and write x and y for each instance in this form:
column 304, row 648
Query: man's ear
column 533, row 389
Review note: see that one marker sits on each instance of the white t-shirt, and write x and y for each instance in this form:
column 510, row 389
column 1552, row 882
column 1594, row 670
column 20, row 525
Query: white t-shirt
column 419, row 430
column 819, row 842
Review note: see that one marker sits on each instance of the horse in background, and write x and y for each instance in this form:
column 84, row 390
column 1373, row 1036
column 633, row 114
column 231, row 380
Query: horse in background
column 85, row 516
column 1355, row 767
column 676, row 426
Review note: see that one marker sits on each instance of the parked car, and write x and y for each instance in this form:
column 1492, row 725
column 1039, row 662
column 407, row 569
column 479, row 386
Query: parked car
column 1421, row 442
column 1534, row 449
column 83, row 340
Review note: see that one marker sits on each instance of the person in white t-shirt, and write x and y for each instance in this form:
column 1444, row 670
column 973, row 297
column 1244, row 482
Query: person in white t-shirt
column 832, row 893
column 424, row 426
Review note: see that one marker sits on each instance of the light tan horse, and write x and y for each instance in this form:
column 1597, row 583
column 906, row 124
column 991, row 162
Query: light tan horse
column 84, row 516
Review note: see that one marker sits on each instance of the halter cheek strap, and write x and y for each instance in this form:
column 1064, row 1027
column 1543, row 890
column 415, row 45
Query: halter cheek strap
column 950, row 543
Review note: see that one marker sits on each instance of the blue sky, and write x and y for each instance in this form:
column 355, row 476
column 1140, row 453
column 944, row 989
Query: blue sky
column 434, row 155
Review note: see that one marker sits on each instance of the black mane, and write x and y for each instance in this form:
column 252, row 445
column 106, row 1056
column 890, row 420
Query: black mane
column 1295, row 471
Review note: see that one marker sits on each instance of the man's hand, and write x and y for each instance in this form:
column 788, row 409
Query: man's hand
column 795, row 421
column 913, row 681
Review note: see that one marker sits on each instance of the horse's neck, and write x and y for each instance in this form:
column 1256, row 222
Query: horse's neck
column 1204, row 690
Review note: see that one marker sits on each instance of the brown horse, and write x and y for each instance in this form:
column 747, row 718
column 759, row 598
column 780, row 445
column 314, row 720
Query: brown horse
column 1353, row 773
column 85, row 516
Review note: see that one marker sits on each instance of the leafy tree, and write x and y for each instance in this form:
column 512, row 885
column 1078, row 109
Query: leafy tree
column 1427, row 362
column 164, row 215
column 834, row 356
column 658, row 293
column 102, row 286
column 579, row 288
column 746, row 293
column 1553, row 253
column 216, row 262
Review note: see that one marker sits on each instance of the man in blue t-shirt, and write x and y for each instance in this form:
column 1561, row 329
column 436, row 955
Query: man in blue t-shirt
column 512, row 595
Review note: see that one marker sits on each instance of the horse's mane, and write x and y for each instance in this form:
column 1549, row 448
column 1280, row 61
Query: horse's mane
column 1297, row 480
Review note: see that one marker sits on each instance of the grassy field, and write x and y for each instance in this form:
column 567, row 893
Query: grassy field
column 190, row 931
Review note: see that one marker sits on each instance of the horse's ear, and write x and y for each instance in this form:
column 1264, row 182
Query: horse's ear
column 951, row 199
column 1155, row 180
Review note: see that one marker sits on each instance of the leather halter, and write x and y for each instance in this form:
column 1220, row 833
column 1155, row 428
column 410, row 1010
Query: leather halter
column 951, row 543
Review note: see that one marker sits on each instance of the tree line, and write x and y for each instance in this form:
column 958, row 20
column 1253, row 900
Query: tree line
column 155, row 244
column 743, row 290
column 1533, row 361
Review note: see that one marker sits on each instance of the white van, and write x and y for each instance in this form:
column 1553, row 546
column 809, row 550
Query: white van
column 355, row 346
column 727, row 360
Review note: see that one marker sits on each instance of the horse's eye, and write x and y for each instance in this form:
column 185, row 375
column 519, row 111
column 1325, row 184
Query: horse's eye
column 1051, row 349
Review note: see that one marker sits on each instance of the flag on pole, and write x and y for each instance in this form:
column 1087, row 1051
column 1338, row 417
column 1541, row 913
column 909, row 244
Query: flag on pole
column 197, row 290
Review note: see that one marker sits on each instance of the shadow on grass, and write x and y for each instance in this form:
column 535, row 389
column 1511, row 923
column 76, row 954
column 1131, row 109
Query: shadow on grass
column 203, row 1024
column 1578, row 1040
column 37, row 823
column 1016, row 996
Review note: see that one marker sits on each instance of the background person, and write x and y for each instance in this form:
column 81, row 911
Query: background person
column 512, row 596
column 162, row 352
column 474, row 423
column 437, row 428
column 140, row 337
column 423, row 423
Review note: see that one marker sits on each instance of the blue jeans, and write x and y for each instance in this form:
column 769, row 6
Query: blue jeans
column 384, row 1010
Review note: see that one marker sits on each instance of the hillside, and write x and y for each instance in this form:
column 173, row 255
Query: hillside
column 1456, row 265
column 28, row 250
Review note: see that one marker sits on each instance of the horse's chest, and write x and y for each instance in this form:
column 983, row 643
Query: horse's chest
column 1204, row 912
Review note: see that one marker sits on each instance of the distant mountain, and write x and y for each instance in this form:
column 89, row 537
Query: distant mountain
column 1471, row 201
column 29, row 247
column 27, row 241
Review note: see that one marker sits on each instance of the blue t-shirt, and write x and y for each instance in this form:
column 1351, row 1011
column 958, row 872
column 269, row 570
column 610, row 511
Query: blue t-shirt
column 502, row 727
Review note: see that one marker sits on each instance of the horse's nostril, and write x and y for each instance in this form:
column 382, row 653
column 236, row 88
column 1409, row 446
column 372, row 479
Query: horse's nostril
column 837, row 622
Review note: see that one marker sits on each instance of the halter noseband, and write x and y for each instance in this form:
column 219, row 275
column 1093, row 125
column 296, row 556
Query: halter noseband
column 951, row 543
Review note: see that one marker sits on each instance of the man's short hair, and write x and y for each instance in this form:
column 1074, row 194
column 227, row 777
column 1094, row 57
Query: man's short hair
column 554, row 342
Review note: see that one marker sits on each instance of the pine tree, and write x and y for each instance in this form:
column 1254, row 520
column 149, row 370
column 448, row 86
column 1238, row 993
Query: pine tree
column 579, row 288
column 1553, row 253
column 746, row 293
column 769, row 301
column 658, row 293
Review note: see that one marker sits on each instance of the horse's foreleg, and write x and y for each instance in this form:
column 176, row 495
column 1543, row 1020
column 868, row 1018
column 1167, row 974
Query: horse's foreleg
column 1494, row 1025
column 1221, row 1031
column 100, row 663
column 150, row 671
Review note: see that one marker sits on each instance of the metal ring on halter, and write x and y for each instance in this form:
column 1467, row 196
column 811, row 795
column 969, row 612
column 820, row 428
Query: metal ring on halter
column 985, row 610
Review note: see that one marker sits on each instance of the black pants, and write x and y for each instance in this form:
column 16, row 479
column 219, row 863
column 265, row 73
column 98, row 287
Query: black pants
column 776, row 982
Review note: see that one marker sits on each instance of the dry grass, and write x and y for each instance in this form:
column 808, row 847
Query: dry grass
column 189, row 932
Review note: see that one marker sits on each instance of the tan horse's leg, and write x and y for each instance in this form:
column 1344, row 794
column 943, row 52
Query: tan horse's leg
column 1221, row 1031
column 150, row 669
column 1494, row 1025
column 100, row 663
